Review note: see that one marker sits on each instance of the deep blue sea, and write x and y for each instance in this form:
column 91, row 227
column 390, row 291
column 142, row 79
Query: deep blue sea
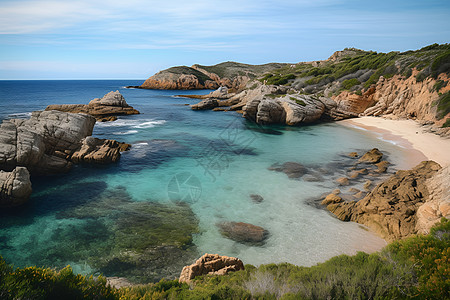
column 211, row 161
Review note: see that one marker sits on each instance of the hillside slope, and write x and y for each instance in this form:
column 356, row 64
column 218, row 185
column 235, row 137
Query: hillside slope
column 230, row 74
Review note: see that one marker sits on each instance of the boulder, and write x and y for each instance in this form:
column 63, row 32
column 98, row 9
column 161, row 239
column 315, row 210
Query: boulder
column 210, row 264
column 243, row 232
column 391, row 209
column 371, row 157
column 94, row 150
column 270, row 112
column 205, row 104
column 103, row 109
column 342, row 181
column 15, row 187
column 382, row 166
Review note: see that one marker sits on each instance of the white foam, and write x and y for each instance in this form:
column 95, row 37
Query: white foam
column 24, row 115
column 146, row 123
column 149, row 124
column 126, row 132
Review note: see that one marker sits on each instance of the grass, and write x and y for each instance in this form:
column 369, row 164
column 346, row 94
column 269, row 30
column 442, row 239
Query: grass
column 298, row 101
column 414, row 268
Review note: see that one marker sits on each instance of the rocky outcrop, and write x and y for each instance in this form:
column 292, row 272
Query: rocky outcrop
column 39, row 142
column 228, row 74
column 94, row 150
column 106, row 108
column 437, row 205
column 393, row 208
column 243, row 232
column 210, row 264
column 15, row 187
column 47, row 143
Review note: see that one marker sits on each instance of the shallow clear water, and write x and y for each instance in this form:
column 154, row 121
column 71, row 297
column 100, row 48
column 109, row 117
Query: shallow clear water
column 225, row 159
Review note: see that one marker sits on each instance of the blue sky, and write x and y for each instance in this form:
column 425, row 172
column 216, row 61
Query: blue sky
column 133, row 39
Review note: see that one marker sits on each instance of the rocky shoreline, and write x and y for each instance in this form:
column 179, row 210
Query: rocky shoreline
column 51, row 141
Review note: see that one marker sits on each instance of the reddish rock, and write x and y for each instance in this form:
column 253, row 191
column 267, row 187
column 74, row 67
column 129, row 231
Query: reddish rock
column 391, row 208
column 210, row 264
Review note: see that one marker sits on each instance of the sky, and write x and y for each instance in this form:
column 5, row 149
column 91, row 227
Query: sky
column 133, row 39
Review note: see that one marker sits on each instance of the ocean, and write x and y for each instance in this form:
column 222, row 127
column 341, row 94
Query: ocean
column 187, row 172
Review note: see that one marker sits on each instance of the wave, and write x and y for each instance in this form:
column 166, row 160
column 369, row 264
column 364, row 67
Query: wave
column 139, row 124
column 126, row 132
column 24, row 115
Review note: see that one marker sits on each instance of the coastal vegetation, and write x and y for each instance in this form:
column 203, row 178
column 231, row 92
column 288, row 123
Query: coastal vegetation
column 356, row 69
column 417, row 267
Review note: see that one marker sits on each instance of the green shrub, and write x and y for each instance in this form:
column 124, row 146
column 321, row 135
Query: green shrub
column 44, row 283
column 443, row 105
column 441, row 64
column 298, row 101
column 439, row 85
column 349, row 83
column 430, row 256
column 447, row 123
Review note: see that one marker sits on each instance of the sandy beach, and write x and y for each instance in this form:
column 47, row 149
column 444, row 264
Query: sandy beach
column 408, row 134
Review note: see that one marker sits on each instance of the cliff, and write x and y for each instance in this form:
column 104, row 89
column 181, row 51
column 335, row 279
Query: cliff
column 229, row 74
column 352, row 82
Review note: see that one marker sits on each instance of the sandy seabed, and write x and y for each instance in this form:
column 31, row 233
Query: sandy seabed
column 409, row 135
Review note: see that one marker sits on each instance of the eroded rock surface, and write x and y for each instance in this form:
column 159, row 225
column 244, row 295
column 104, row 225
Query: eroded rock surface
column 15, row 187
column 106, row 108
column 212, row 264
column 48, row 143
column 393, row 208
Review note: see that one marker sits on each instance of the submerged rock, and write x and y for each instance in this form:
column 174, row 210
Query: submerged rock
column 256, row 198
column 210, row 264
column 291, row 169
column 107, row 108
column 243, row 232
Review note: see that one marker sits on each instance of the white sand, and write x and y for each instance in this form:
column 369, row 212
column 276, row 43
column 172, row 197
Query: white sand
column 408, row 134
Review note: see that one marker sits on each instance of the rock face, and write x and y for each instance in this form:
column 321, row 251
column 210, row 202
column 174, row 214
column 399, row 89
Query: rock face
column 212, row 264
column 47, row 143
column 243, row 232
column 107, row 108
column 393, row 208
column 15, row 187
column 39, row 142
column 438, row 204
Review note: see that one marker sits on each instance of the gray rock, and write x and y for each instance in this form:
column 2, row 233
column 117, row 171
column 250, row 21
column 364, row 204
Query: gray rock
column 34, row 143
column 270, row 112
column 15, row 187
column 110, row 99
column 205, row 104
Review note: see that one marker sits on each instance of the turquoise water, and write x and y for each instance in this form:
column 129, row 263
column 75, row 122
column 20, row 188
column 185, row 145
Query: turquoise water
column 226, row 159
